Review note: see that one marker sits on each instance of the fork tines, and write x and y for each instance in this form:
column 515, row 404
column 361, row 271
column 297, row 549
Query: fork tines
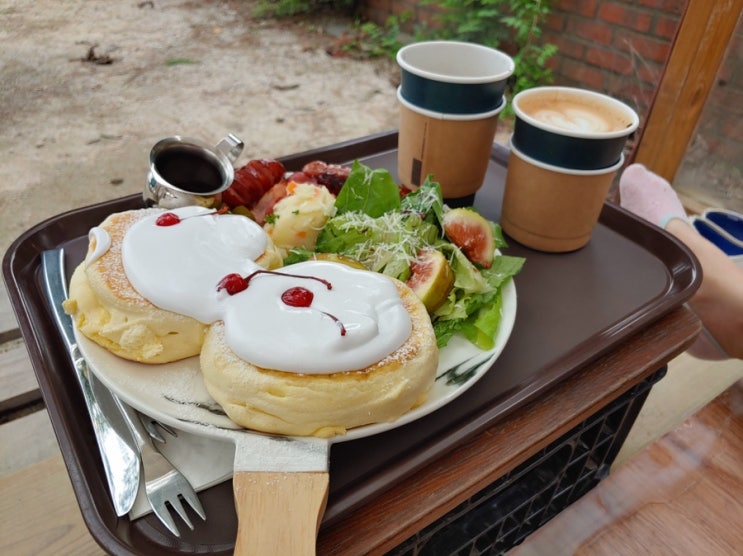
column 177, row 487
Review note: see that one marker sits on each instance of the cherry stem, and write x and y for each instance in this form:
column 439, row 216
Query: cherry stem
column 337, row 321
column 262, row 271
column 220, row 210
column 171, row 218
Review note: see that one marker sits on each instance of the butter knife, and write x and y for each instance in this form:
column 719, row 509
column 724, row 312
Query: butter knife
column 120, row 462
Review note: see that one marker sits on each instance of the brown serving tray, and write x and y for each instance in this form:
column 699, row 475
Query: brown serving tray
column 572, row 308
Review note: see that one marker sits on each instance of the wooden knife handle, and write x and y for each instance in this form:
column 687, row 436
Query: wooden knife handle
column 279, row 513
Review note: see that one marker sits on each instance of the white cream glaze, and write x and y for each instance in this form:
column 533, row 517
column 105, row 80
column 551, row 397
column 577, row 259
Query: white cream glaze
column 262, row 329
column 101, row 242
column 178, row 268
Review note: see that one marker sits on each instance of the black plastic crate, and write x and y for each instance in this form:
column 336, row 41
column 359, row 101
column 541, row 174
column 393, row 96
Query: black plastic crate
column 502, row 515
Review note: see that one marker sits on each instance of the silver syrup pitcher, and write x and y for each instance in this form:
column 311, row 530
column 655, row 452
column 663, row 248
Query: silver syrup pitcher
column 184, row 171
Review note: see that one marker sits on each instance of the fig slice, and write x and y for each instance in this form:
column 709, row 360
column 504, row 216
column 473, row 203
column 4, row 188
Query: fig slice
column 472, row 233
column 431, row 278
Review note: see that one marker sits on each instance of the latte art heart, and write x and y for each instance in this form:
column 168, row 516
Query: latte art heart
column 574, row 112
column 574, row 118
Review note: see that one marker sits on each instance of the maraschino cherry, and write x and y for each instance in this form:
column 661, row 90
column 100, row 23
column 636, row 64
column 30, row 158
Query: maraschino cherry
column 234, row 283
column 296, row 296
column 171, row 218
column 302, row 297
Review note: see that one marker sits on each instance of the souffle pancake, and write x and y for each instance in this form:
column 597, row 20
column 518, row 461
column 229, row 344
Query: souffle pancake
column 109, row 310
column 330, row 348
column 312, row 348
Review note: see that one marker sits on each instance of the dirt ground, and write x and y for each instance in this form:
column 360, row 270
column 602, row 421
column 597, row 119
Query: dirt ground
column 88, row 86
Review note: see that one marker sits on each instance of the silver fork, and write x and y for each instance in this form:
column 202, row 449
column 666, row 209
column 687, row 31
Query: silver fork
column 164, row 484
column 153, row 427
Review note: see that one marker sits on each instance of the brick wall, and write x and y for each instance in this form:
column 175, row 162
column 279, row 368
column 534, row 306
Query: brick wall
column 614, row 46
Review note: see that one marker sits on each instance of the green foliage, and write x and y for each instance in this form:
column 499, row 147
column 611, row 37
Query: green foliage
column 505, row 24
column 373, row 41
column 286, row 8
column 531, row 67
column 514, row 26
column 365, row 40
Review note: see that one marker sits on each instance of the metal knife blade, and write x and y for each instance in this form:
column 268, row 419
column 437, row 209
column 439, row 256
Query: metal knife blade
column 120, row 462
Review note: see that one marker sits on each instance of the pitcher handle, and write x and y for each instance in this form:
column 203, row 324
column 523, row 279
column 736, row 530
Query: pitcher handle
column 231, row 146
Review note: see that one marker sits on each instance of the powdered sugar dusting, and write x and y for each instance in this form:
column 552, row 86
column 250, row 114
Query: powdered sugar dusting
column 108, row 266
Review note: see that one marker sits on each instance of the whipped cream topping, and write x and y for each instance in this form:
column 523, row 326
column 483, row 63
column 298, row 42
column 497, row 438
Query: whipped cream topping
column 101, row 242
column 262, row 329
column 178, row 268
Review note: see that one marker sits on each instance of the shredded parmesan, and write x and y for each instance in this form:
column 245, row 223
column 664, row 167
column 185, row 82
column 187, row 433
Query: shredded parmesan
column 386, row 241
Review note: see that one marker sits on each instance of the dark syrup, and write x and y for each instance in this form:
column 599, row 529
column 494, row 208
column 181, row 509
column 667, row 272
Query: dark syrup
column 189, row 169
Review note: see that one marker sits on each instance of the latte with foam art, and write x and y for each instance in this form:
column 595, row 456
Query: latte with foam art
column 573, row 118
column 576, row 113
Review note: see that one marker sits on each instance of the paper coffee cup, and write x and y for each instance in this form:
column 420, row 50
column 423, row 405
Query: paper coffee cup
column 549, row 208
column 453, row 77
column 571, row 127
column 454, row 149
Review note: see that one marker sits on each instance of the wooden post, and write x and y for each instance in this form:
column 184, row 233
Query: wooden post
column 698, row 50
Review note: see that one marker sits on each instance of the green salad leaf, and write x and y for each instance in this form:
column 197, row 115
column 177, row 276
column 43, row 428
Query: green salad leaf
column 371, row 192
column 373, row 225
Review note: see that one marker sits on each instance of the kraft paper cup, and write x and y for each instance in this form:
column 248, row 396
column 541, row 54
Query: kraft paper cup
column 454, row 149
column 571, row 128
column 453, row 77
column 549, row 208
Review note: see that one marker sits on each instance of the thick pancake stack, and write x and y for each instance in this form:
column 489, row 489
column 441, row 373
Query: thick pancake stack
column 323, row 404
column 109, row 311
column 270, row 397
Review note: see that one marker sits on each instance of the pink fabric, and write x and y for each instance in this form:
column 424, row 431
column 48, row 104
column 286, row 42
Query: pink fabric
column 649, row 196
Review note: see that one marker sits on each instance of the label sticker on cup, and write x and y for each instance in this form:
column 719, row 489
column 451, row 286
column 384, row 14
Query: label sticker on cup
column 415, row 174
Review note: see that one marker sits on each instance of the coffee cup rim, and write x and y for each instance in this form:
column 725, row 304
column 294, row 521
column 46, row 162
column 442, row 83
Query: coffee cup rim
column 561, row 170
column 453, row 117
column 634, row 118
column 405, row 65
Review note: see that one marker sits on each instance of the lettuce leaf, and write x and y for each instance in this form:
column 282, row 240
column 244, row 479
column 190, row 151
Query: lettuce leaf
column 387, row 244
column 371, row 192
column 375, row 226
column 474, row 311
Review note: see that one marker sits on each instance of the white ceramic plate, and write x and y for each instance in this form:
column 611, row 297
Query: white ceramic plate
column 174, row 393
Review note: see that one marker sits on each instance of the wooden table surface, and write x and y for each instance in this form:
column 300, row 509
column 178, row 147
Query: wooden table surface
column 442, row 486
column 39, row 514
column 681, row 495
